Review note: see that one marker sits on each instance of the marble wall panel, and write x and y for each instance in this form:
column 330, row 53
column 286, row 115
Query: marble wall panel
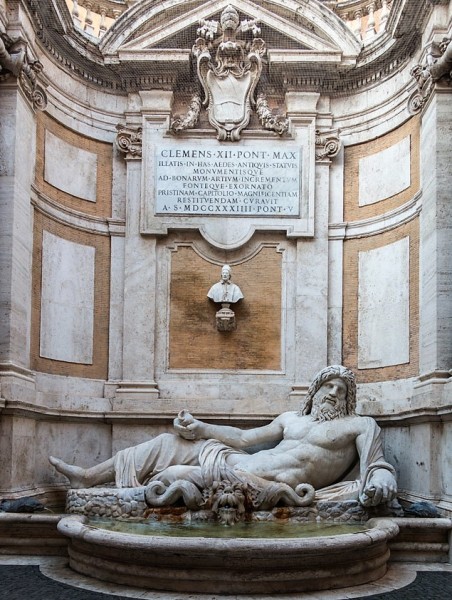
column 70, row 169
column 373, row 306
column 384, row 306
column 420, row 453
column 436, row 247
column 67, row 300
column 446, row 463
column 73, row 170
column 85, row 264
column 385, row 173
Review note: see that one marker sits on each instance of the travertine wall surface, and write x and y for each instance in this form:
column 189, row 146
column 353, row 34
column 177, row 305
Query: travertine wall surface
column 106, row 328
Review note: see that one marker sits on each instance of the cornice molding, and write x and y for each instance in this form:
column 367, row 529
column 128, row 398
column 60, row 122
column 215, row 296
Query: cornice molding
column 69, row 217
column 379, row 224
column 80, row 55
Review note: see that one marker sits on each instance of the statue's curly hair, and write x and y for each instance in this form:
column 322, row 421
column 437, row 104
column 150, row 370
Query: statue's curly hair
column 325, row 375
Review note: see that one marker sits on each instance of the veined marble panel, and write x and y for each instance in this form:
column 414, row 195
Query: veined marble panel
column 385, row 173
column 383, row 306
column 69, row 168
column 67, row 300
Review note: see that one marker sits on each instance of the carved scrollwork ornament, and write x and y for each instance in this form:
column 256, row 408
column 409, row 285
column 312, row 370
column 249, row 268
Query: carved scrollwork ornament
column 327, row 144
column 438, row 67
column 191, row 117
column 39, row 99
column 425, row 87
column 267, row 119
column 15, row 61
column 129, row 141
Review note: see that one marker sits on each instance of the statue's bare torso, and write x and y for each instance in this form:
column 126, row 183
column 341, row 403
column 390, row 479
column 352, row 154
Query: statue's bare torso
column 311, row 451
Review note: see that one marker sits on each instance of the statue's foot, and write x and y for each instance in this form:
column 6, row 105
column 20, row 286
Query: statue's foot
column 76, row 475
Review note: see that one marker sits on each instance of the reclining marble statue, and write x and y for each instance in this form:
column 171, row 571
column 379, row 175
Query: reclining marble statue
column 325, row 446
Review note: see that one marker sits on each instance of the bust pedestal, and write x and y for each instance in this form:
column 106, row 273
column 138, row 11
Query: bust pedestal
column 225, row 318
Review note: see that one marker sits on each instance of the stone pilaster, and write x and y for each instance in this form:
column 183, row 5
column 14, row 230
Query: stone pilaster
column 436, row 224
column 311, row 295
column 139, row 319
column 336, row 251
column 17, row 160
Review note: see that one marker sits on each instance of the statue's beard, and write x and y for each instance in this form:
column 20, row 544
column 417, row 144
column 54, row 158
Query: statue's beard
column 323, row 411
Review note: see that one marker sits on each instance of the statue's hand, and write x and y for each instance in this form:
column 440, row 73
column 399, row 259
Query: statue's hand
column 186, row 425
column 381, row 487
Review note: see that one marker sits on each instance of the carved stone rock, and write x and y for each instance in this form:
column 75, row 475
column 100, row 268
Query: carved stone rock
column 225, row 318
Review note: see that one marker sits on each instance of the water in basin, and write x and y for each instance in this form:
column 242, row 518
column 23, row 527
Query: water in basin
column 258, row 530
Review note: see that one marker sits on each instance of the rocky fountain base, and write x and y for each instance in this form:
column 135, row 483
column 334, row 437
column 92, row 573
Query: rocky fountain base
column 236, row 565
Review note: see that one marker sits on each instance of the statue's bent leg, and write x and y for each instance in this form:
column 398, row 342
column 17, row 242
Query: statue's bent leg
column 136, row 466
column 133, row 466
column 82, row 478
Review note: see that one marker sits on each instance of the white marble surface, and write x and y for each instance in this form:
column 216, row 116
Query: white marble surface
column 65, row 394
column 70, row 169
column 311, row 295
column 67, row 300
column 385, row 173
column 370, row 113
column 86, row 109
column 17, row 160
column 435, row 244
column 115, row 338
column 383, row 306
column 139, row 288
column 335, row 260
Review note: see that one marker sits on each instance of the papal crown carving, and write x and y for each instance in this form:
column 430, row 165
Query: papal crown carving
column 229, row 69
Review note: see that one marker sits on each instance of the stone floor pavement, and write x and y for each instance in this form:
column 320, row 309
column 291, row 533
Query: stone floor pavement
column 49, row 578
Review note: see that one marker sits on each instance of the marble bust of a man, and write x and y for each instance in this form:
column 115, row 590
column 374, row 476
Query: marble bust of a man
column 225, row 291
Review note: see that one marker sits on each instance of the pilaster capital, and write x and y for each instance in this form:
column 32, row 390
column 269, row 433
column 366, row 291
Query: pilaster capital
column 129, row 141
column 327, row 144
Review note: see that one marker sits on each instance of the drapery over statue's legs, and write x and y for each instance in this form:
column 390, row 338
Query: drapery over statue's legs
column 135, row 466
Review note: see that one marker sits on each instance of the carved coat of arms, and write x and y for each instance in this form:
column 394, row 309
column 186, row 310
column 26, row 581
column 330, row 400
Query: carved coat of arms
column 230, row 80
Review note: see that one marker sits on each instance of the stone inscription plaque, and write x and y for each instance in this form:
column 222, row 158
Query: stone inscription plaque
column 245, row 181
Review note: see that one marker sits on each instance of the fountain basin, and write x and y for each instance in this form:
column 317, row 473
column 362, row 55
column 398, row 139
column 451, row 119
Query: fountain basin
column 232, row 565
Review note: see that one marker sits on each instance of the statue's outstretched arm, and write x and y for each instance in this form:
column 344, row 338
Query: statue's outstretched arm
column 193, row 429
